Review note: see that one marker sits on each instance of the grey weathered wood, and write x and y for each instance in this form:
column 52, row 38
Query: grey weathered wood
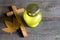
column 48, row 29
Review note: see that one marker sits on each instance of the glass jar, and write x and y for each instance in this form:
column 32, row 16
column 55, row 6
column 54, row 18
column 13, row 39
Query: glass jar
column 32, row 15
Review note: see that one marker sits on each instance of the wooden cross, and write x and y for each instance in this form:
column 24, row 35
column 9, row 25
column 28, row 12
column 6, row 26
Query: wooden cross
column 16, row 13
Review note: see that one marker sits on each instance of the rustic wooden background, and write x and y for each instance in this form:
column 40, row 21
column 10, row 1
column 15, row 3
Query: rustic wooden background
column 48, row 29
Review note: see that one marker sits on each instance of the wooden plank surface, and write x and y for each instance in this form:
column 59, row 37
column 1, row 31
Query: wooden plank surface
column 48, row 29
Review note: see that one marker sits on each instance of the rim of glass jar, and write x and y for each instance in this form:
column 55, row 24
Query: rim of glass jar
column 36, row 13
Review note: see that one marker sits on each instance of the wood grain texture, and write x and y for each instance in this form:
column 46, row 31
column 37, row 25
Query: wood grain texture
column 48, row 29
